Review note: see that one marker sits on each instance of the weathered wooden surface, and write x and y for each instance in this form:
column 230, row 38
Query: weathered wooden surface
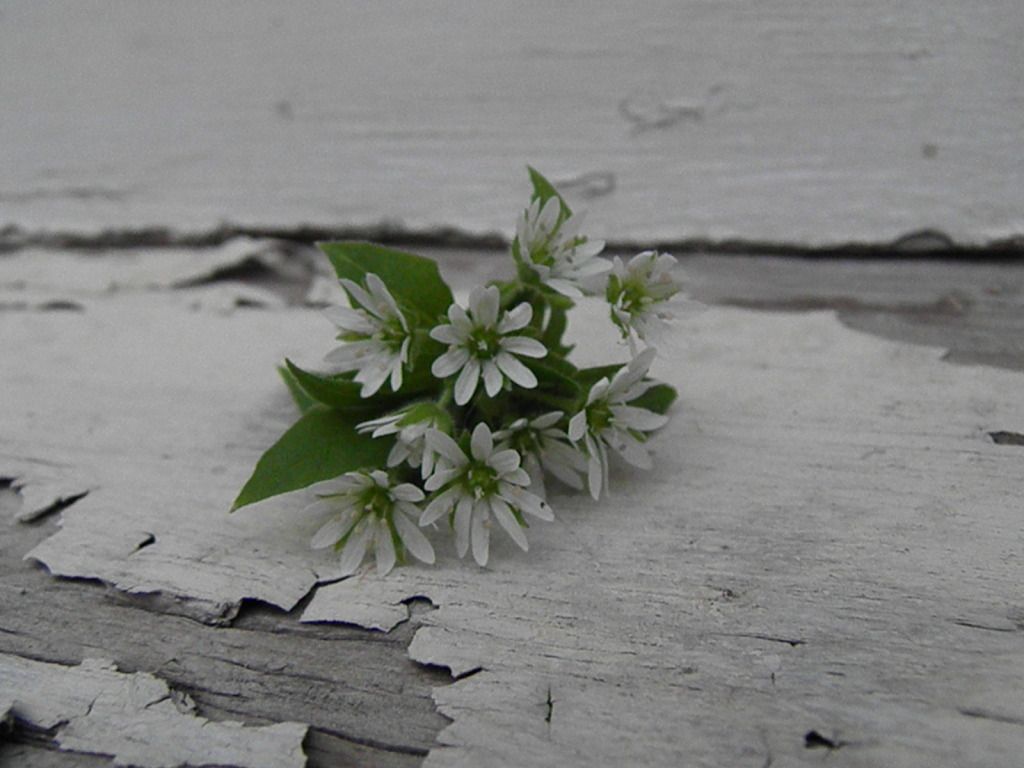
column 136, row 719
column 802, row 122
column 842, row 554
column 830, row 541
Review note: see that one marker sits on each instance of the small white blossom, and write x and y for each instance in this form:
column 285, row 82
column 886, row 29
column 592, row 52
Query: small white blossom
column 410, row 425
column 563, row 259
column 366, row 512
column 544, row 446
column 488, row 483
column 608, row 421
column 376, row 333
column 482, row 345
column 640, row 292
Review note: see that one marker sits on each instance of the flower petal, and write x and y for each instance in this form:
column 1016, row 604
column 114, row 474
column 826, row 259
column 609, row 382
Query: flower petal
column 372, row 378
column 596, row 468
column 465, row 385
column 528, row 502
column 350, row 355
column 516, row 318
column 547, row 420
column 413, row 539
column 441, row 477
column 357, row 294
column 481, row 444
column 443, row 444
column 508, row 521
column 440, row 506
column 632, row 417
column 447, row 334
column 449, row 362
column 564, row 287
column 385, row 302
column 524, row 346
column 632, row 450
column 481, row 533
column 516, row 477
column 484, row 303
column 407, row 492
column 396, row 375
column 577, row 426
column 331, row 532
column 463, row 517
column 352, row 320
column 504, row 462
column 460, row 320
column 492, row 378
column 355, row 548
column 515, row 370
column 384, row 549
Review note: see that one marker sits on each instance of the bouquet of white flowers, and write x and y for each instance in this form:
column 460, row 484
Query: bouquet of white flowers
column 441, row 413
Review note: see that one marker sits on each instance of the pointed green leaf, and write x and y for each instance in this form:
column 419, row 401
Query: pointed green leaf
column 338, row 392
column 545, row 190
column 556, row 385
column 414, row 281
column 588, row 377
column 658, row 398
column 302, row 400
column 322, row 444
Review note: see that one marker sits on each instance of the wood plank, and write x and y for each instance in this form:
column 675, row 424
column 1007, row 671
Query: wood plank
column 351, row 686
column 807, row 123
column 890, row 620
column 136, row 719
column 829, row 542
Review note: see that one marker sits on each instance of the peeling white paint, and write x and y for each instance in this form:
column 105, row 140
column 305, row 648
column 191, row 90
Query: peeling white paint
column 824, row 512
column 137, row 719
column 829, row 539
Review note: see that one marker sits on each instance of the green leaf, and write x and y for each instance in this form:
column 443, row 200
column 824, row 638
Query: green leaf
column 557, row 322
column 302, row 400
column 556, row 385
column 322, row 444
column 414, row 281
column 588, row 377
column 545, row 190
column 334, row 391
column 658, row 398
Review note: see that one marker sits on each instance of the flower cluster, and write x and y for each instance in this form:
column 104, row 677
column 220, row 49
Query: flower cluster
column 482, row 405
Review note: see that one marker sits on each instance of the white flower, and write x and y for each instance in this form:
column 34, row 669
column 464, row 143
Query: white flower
column 481, row 345
column 544, row 446
column 487, row 483
column 640, row 292
column 410, row 425
column 377, row 335
column 608, row 421
column 562, row 258
column 367, row 511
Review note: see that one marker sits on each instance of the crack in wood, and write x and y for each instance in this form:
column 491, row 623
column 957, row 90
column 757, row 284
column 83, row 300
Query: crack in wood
column 950, row 305
column 813, row 740
column 1007, row 438
column 1009, row 249
column 984, row 714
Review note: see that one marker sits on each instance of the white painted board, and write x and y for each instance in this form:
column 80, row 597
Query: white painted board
column 830, row 540
column 804, row 122
column 136, row 719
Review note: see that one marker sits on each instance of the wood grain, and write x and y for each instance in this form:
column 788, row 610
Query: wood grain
column 804, row 122
column 830, row 541
column 840, row 554
column 136, row 719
